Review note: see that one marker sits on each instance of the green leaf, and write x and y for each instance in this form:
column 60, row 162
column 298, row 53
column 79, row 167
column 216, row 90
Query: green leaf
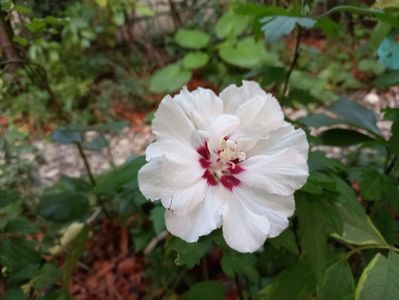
column 20, row 225
column 295, row 283
column 18, row 252
column 49, row 274
column 192, row 39
column 318, row 161
column 394, row 140
column 68, row 135
column 313, row 238
column 195, row 60
column 329, row 27
column 14, row 294
column 380, row 31
column 97, row 144
column 115, row 180
column 317, row 120
column 338, row 282
column 22, row 9
column 63, row 207
column 388, row 52
column 387, row 79
column 260, row 10
column 8, row 197
column 231, row 25
column 248, row 53
column 343, row 137
column 75, row 184
column 277, row 26
column 36, row 25
column 76, row 250
column 206, row 290
column 285, row 240
column 20, row 40
column 379, row 280
column 157, row 217
column 188, row 254
column 234, row 263
column 176, row 77
column 391, row 114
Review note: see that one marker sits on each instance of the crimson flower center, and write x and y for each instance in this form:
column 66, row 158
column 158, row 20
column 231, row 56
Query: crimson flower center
column 222, row 164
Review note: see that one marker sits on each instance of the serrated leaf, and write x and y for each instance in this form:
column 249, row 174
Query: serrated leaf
column 36, row 25
column 206, row 290
column 21, row 225
column 176, row 76
column 338, row 282
column 234, row 263
column 313, row 238
column 277, row 26
column 295, row 283
column 188, row 254
column 192, row 39
column 63, row 207
column 18, row 252
column 286, row 240
column 379, row 280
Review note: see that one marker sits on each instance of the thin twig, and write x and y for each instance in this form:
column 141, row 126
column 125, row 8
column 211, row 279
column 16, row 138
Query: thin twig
column 294, row 61
column 86, row 163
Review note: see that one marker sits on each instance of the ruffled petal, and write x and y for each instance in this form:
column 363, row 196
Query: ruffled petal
column 221, row 127
column 259, row 115
column 243, row 230
column 280, row 173
column 181, row 172
column 234, row 96
column 200, row 221
column 202, row 106
column 170, row 122
column 151, row 183
column 277, row 209
column 185, row 200
column 171, row 148
column 285, row 137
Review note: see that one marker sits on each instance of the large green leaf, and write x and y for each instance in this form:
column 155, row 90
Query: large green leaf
column 63, row 207
column 340, row 137
column 380, row 279
column 18, row 252
column 338, row 282
column 248, row 53
column 387, row 79
column 206, row 290
column 231, row 25
column 7, row 198
column 20, row 225
column 285, row 240
column 313, row 238
column 169, row 79
column 157, row 217
column 192, row 39
column 295, row 283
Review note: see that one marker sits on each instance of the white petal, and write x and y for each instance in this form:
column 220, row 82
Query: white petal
column 260, row 115
column 170, row 122
column 200, row 221
column 185, row 200
column 171, row 148
column 202, row 106
column 221, row 127
column 280, row 173
column 276, row 208
column 181, row 172
column 234, row 96
column 285, row 137
column 151, row 183
column 243, row 230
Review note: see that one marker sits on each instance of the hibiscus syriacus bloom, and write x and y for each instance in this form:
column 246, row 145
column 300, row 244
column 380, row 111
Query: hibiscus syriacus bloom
column 227, row 161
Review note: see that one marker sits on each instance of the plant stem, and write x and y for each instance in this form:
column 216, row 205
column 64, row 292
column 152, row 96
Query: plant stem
column 239, row 287
column 294, row 61
column 86, row 163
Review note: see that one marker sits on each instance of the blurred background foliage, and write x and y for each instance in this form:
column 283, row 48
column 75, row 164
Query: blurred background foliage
column 73, row 69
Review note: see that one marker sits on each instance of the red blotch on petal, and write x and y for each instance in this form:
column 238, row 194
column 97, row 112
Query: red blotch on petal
column 203, row 151
column 204, row 163
column 210, row 179
column 229, row 182
column 237, row 169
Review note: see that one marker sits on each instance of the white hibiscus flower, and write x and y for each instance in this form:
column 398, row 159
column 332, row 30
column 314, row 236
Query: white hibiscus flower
column 229, row 161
